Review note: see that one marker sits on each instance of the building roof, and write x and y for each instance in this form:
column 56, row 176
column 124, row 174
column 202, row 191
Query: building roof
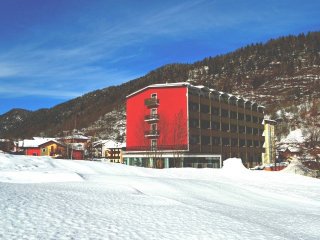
column 110, row 144
column 186, row 84
column 33, row 143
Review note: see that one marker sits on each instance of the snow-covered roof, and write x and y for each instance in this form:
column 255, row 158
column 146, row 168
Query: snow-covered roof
column 35, row 142
column 110, row 144
column 294, row 136
column 77, row 136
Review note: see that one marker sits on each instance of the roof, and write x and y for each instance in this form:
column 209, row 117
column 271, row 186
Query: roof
column 77, row 136
column 186, row 84
column 52, row 141
column 33, row 143
column 109, row 144
column 160, row 85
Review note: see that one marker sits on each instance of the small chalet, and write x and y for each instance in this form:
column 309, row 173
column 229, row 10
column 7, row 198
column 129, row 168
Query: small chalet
column 52, row 148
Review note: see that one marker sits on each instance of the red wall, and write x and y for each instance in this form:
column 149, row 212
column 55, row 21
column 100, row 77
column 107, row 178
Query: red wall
column 77, row 155
column 172, row 112
column 33, row 151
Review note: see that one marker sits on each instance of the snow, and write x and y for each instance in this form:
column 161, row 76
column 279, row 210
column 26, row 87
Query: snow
column 296, row 167
column 294, row 136
column 44, row 198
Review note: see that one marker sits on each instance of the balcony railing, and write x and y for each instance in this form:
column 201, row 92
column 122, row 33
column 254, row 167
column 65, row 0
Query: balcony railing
column 151, row 134
column 151, row 102
column 152, row 118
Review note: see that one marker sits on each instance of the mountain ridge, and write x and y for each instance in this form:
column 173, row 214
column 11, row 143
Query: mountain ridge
column 283, row 71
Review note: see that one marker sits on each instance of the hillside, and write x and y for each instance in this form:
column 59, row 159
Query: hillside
column 279, row 74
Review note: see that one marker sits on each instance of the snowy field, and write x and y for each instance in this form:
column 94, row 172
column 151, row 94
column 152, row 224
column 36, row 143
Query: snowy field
column 43, row 198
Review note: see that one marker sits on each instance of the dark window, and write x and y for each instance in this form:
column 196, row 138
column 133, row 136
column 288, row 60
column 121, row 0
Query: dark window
column 225, row 141
column 234, row 142
column 204, row 108
column 194, row 107
column 205, row 140
column 215, row 111
column 255, row 119
column 224, row 113
column 241, row 129
column 153, row 95
column 194, row 123
column 216, row 141
column 256, row 143
column 233, row 115
column 225, row 127
column 249, row 130
column 249, row 143
column 205, row 124
column 233, row 128
column 215, row 125
column 255, row 131
column 242, row 142
column 241, row 116
column 194, row 139
column 248, row 118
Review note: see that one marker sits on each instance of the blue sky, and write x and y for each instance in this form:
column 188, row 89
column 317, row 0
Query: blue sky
column 54, row 50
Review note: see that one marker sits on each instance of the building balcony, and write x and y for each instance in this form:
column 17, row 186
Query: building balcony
column 151, row 118
column 151, row 102
column 151, row 134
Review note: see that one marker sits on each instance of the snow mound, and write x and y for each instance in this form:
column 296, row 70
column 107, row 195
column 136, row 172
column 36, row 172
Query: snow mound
column 233, row 165
column 297, row 167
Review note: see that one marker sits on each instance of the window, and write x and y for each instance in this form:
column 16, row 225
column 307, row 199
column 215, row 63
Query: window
column 255, row 119
column 43, row 150
column 194, row 139
column 215, row 125
column 153, row 111
column 153, row 127
column 193, row 107
column 205, row 140
column 153, row 95
column 204, row 108
column 233, row 115
column 234, row 142
column 225, row 141
column 241, row 129
column 249, row 143
column 249, row 130
column 153, row 144
column 255, row 131
column 205, row 124
column 225, row 127
column 248, row 118
column 233, row 128
column 216, row 141
column 194, row 123
column 215, row 111
column 224, row 113
column 242, row 142
column 241, row 116
column 256, row 143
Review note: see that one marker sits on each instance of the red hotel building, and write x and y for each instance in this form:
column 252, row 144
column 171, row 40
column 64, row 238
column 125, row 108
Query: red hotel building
column 181, row 125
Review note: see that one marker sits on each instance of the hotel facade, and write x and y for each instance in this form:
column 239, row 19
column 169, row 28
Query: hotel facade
column 181, row 125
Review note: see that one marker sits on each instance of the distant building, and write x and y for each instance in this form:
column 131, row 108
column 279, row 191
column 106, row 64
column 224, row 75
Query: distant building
column 32, row 146
column 181, row 125
column 52, row 148
column 269, row 155
column 110, row 150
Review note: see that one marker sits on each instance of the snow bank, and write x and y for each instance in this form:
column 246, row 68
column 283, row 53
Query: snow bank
column 297, row 167
column 234, row 166
column 27, row 169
